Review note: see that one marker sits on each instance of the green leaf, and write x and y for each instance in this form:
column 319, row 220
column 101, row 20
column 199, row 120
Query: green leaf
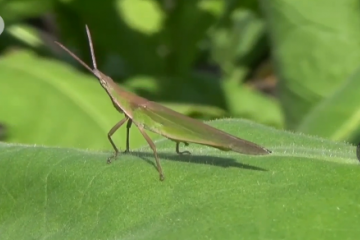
column 25, row 34
column 144, row 16
column 308, row 188
column 314, row 51
column 338, row 116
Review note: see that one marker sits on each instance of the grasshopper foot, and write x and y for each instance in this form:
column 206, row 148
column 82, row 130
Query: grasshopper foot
column 183, row 152
column 111, row 158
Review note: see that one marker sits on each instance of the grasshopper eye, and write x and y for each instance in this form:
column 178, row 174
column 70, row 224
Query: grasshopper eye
column 103, row 82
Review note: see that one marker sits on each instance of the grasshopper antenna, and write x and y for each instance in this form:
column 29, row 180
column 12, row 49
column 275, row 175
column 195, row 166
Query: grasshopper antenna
column 75, row 57
column 91, row 47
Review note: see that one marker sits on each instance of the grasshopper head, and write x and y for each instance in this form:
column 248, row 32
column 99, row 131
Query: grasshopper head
column 102, row 78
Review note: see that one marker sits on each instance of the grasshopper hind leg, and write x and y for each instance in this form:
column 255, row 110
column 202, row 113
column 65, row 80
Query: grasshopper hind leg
column 183, row 152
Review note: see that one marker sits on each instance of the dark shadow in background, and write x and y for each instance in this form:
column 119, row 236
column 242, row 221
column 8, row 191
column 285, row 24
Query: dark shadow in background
column 2, row 131
column 137, row 53
column 198, row 159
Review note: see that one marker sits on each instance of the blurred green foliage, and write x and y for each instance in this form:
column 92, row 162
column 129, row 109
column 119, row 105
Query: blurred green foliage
column 200, row 57
column 195, row 57
column 282, row 63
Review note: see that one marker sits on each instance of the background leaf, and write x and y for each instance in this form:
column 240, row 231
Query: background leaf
column 315, row 48
column 342, row 108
